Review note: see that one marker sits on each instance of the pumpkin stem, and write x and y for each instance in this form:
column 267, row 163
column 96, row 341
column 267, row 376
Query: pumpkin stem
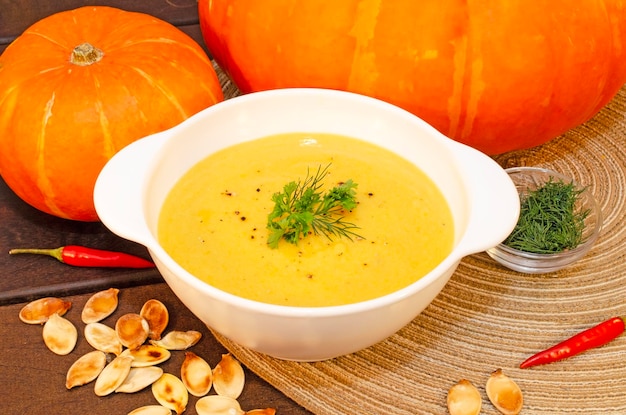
column 86, row 54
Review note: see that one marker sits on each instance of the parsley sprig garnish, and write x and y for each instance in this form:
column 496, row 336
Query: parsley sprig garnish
column 302, row 208
column 549, row 220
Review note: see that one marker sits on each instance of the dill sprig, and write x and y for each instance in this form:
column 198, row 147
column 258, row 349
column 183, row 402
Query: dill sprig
column 302, row 208
column 549, row 220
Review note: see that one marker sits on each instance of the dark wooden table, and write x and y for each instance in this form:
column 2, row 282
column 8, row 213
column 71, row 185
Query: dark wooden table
column 33, row 378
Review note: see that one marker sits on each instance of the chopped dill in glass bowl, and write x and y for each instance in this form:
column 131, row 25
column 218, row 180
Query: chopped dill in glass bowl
column 559, row 222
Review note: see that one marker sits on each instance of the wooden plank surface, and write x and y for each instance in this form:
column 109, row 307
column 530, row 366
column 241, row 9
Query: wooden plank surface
column 33, row 378
column 26, row 277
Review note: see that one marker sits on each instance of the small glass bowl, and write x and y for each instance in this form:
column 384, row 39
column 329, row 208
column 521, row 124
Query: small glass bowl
column 530, row 178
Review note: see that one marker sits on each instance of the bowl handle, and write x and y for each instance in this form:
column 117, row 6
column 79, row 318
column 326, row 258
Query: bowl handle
column 495, row 203
column 118, row 192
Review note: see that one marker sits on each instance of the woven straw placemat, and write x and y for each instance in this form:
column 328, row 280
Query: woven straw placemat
column 488, row 317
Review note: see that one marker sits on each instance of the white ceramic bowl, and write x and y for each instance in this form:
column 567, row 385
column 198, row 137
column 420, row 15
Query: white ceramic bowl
column 132, row 186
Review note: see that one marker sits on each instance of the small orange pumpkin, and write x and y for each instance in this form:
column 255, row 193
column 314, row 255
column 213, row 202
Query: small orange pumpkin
column 78, row 86
column 497, row 75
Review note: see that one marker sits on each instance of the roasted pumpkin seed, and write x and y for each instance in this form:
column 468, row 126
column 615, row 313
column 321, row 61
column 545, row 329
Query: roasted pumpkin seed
column 147, row 355
column 85, row 369
column 59, row 335
column 100, row 305
column 218, row 405
column 196, row 374
column 139, row 378
column 132, row 330
column 178, row 340
column 157, row 316
column 104, row 338
column 228, row 377
column 113, row 375
column 504, row 393
column 38, row 311
column 464, row 399
column 170, row 392
column 151, row 410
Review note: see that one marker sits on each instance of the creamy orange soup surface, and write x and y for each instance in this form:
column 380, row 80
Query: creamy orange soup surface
column 213, row 222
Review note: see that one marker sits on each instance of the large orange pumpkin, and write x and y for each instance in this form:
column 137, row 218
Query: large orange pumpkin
column 497, row 75
column 78, row 86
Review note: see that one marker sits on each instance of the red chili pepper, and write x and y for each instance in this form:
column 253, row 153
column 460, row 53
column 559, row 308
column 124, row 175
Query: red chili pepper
column 80, row 256
column 596, row 336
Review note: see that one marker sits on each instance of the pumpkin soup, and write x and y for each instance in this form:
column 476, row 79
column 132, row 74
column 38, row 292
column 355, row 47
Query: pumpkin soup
column 214, row 222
